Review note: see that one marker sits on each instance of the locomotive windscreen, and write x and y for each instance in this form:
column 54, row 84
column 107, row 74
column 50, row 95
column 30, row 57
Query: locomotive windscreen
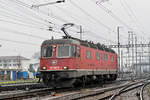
column 63, row 51
column 47, row 51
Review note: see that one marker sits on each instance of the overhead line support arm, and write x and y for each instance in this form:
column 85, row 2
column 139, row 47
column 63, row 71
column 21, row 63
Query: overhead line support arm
column 45, row 4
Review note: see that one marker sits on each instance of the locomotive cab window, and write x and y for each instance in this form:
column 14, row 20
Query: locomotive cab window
column 63, row 51
column 105, row 57
column 47, row 51
column 88, row 54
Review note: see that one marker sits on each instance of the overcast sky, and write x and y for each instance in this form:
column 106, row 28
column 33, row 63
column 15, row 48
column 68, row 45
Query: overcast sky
column 23, row 28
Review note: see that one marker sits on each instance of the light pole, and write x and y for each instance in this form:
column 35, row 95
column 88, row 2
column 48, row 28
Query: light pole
column 118, row 31
column 149, row 56
column 81, row 31
column 136, row 54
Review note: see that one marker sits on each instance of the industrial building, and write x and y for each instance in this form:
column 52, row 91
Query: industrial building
column 11, row 66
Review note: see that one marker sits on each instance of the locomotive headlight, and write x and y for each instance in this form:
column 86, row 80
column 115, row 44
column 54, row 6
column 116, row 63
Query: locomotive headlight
column 54, row 46
column 44, row 68
column 65, row 67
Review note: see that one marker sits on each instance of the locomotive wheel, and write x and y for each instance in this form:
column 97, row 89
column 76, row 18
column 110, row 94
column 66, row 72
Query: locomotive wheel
column 66, row 82
column 61, row 83
column 78, row 82
column 84, row 81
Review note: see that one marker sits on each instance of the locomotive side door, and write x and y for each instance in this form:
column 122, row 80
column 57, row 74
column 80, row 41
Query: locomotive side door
column 77, row 58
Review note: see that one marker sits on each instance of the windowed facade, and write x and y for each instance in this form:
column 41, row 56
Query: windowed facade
column 88, row 54
column 47, row 51
column 63, row 51
column 97, row 56
column 105, row 57
column 5, row 65
column 13, row 62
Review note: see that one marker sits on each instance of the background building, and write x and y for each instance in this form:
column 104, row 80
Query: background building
column 11, row 66
column 14, row 62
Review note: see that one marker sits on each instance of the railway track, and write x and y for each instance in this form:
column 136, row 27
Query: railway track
column 88, row 93
column 131, row 88
column 22, row 94
column 22, row 86
column 97, row 93
column 110, row 93
column 125, row 89
column 142, row 91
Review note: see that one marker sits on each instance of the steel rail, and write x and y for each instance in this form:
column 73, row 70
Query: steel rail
column 102, row 93
column 142, row 89
column 126, row 89
column 22, row 94
column 75, row 93
column 22, row 86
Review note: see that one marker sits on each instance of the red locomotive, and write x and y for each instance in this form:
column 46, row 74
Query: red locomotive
column 69, row 61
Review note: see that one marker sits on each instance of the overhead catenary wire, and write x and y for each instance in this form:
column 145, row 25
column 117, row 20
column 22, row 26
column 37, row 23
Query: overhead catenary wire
column 18, row 15
column 63, row 20
column 21, row 33
column 27, row 6
column 19, row 20
column 45, row 29
column 30, row 11
column 73, row 17
column 131, row 11
column 29, row 26
column 86, row 13
column 112, row 14
column 53, row 16
column 96, row 36
column 126, row 10
column 80, row 21
column 38, row 11
column 67, row 12
column 20, row 42
column 132, row 15
column 26, row 25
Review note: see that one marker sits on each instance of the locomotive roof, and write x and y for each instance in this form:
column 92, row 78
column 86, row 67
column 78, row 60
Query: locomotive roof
column 72, row 40
column 61, row 41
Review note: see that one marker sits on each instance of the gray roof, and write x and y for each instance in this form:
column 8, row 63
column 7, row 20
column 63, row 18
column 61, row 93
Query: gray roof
column 13, row 58
column 60, row 41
